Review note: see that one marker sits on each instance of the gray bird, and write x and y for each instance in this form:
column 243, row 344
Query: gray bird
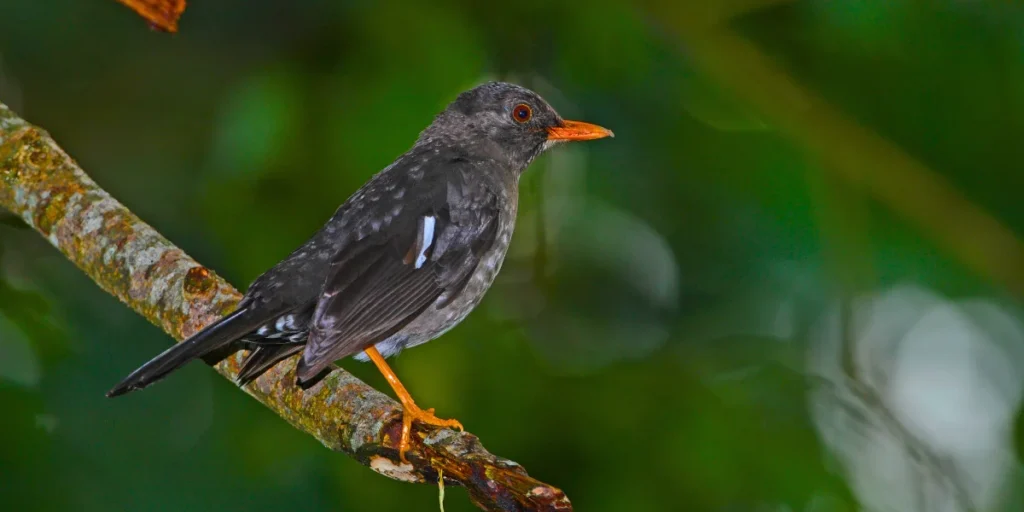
column 402, row 261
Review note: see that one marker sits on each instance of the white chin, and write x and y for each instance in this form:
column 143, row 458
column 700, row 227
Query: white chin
column 548, row 144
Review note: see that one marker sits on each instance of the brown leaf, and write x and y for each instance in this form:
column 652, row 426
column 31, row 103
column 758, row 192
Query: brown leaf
column 161, row 14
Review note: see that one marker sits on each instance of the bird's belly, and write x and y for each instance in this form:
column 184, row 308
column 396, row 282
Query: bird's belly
column 430, row 326
column 434, row 322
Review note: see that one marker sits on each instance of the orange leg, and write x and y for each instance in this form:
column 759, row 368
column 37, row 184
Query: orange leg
column 411, row 410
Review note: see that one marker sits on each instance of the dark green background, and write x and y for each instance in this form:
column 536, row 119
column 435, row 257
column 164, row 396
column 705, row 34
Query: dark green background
column 239, row 135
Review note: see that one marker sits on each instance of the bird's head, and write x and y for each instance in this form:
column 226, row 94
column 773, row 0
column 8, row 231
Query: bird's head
column 508, row 122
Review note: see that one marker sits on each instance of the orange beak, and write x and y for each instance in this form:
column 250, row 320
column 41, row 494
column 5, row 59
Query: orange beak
column 578, row 130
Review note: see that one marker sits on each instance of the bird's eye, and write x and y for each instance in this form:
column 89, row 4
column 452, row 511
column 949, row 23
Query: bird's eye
column 522, row 113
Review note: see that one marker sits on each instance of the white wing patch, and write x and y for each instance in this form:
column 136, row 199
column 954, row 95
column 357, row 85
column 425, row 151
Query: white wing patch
column 428, row 240
column 286, row 326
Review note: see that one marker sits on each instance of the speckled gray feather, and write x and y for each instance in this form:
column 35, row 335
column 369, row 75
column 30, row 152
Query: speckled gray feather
column 369, row 277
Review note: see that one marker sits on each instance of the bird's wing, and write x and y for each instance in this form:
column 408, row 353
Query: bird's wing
column 384, row 280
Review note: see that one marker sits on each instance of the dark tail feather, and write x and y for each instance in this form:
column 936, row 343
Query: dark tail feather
column 214, row 337
column 262, row 359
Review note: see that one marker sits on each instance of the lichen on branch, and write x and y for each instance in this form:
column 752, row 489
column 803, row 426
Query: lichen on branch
column 127, row 258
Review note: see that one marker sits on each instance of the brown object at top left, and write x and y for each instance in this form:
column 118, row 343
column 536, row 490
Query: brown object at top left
column 161, row 14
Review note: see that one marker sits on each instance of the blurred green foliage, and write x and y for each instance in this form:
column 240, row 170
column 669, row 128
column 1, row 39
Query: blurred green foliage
column 646, row 272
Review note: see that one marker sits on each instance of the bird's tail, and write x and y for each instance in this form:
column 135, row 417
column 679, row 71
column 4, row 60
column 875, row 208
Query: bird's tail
column 216, row 336
column 262, row 359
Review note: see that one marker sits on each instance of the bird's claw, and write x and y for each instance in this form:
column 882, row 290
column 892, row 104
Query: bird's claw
column 413, row 413
column 430, row 419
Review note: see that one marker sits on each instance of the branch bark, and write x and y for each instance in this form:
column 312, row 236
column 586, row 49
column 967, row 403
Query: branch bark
column 130, row 260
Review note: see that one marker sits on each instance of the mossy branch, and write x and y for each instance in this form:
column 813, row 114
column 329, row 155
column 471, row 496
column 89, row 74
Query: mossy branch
column 130, row 260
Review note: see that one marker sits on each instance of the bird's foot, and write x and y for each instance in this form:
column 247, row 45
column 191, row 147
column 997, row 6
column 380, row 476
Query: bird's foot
column 411, row 412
